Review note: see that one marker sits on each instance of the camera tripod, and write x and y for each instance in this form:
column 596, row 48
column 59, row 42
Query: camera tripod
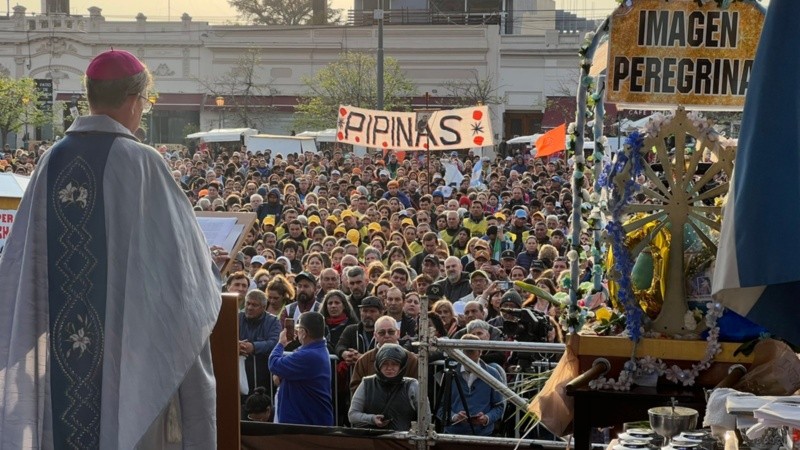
column 449, row 376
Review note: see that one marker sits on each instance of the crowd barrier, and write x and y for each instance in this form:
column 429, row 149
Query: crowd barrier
column 541, row 363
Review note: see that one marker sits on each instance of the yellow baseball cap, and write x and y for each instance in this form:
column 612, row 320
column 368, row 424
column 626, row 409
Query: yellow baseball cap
column 500, row 216
column 332, row 218
column 269, row 220
column 341, row 230
column 353, row 236
column 374, row 226
column 313, row 219
column 347, row 213
column 407, row 221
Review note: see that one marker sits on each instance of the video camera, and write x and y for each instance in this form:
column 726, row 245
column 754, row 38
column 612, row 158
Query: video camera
column 531, row 326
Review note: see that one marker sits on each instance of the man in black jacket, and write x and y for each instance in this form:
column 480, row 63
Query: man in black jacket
column 358, row 339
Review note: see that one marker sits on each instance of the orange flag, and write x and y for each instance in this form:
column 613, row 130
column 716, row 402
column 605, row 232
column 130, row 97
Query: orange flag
column 551, row 142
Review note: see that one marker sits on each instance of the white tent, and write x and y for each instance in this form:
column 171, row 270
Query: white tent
column 280, row 145
column 13, row 185
column 529, row 140
column 328, row 135
column 223, row 134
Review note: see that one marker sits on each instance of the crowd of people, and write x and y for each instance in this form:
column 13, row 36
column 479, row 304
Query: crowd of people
column 359, row 241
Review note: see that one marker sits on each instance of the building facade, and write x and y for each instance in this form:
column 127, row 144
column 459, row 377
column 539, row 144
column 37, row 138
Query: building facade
column 192, row 62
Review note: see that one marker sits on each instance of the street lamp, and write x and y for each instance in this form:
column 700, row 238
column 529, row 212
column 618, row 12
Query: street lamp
column 25, row 137
column 152, row 98
column 220, row 101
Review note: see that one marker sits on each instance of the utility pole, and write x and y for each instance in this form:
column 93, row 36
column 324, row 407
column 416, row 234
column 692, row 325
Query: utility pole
column 379, row 66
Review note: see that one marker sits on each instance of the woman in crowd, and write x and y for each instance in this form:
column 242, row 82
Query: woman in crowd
column 314, row 263
column 411, row 302
column 338, row 314
column 280, row 292
column 388, row 399
column 261, row 278
column 444, row 309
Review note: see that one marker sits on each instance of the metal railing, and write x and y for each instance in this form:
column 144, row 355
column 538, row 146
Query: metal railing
column 424, row 16
column 545, row 360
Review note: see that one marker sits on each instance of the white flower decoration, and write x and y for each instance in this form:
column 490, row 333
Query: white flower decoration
column 74, row 194
column 80, row 341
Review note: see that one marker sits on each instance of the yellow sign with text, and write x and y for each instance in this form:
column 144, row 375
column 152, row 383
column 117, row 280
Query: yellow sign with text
column 679, row 53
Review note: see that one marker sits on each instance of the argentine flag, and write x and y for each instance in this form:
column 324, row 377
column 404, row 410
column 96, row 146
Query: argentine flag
column 757, row 271
column 477, row 174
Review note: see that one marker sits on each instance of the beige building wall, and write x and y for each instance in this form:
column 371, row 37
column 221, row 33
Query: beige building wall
column 186, row 56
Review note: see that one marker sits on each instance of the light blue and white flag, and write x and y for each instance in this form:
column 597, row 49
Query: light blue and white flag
column 757, row 272
column 452, row 174
column 477, row 174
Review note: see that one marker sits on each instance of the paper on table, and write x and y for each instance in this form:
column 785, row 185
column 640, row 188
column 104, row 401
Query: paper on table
column 221, row 231
column 784, row 411
column 746, row 403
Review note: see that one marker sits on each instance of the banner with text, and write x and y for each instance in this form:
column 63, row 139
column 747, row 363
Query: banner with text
column 6, row 220
column 450, row 129
column 680, row 53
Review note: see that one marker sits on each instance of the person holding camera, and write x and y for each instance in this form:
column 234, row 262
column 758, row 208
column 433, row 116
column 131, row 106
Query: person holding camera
column 387, row 399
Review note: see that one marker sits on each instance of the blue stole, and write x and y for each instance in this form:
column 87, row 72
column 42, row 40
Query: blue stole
column 77, row 277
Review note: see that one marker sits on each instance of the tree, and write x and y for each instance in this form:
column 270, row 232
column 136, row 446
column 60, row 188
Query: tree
column 484, row 91
column 19, row 105
column 245, row 92
column 281, row 12
column 351, row 80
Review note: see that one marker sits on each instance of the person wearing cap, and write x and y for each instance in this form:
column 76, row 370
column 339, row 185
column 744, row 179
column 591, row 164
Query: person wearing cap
column 305, row 295
column 537, row 268
column 257, row 263
column 519, row 229
column 479, row 280
column 90, row 200
column 393, row 191
column 388, row 399
column 359, row 338
column 432, row 267
column 304, row 392
column 386, row 332
column 508, row 259
column 383, row 179
column 430, row 243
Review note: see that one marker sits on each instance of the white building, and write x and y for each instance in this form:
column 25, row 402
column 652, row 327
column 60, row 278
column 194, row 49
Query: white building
column 188, row 58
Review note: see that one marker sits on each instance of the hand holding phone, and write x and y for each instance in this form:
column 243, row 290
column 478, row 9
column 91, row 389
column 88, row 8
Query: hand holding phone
column 288, row 325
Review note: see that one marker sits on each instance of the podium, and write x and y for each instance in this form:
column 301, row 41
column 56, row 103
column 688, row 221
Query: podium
column 225, row 357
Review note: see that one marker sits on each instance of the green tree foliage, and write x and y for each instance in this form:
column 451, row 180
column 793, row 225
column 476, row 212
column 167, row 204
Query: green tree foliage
column 351, row 80
column 281, row 12
column 18, row 105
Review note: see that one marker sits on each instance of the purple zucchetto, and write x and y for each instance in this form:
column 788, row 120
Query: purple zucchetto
column 114, row 65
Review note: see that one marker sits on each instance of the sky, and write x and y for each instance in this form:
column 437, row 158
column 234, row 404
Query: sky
column 219, row 10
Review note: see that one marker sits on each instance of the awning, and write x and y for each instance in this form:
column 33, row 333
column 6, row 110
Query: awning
column 223, row 134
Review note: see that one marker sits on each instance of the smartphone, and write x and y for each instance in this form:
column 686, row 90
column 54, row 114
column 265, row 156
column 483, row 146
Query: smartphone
column 504, row 285
column 288, row 325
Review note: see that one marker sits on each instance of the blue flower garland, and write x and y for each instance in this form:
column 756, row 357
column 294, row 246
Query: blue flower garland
column 623, row 263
